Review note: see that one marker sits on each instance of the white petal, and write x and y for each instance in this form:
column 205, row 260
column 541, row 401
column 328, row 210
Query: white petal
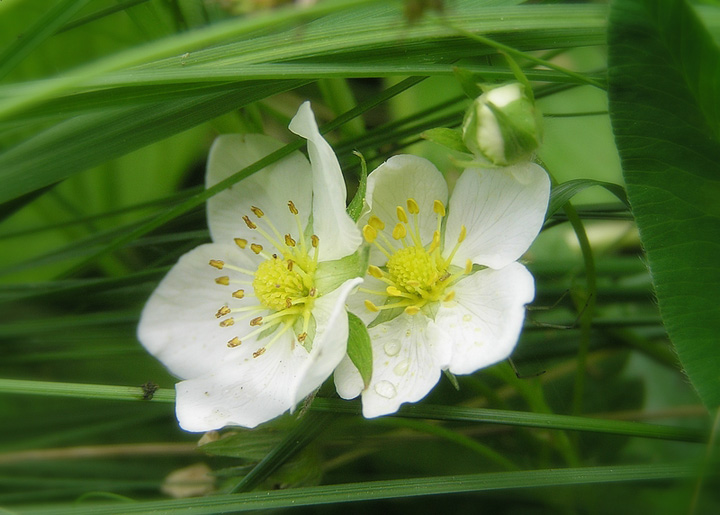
column 502, row 210
column 409, row 353
column 348, row 381
column 245, row 393
column 178, row 324
column 337, row 232
column 398, row 179
column 270, row 189
column 330, row 343
column 486, row 316
column 356, row 301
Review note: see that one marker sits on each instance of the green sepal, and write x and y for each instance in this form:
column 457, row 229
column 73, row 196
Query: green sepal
column 358, row 202
column 453, row 379
column 359, row 348
column 449, row 138
column 331, row 274
column 299, row 327
column 520, row 129
column 467, row 82
column 520, row 76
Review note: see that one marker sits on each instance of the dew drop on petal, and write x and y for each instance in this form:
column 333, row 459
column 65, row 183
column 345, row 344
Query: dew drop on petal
column 391, row 348
column 385, row 389
column 401, row 368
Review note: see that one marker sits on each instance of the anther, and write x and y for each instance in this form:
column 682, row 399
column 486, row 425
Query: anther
column 375, row 271
column 371, row 307
column 435, row 242
column 290, row 264
column 288, row 302
column 291, row 206
column 399, row 232
column 468, row 267
column 413, row 206
column 439, row 208
column 401, row 215
column 315, row 241
column 217, row 263
column 369, row 233
column 301, row 337
column 259, row 352
column 450, row 296
column 235, row 342
column 392, row 290
column 241, row 242
column 289, row 241
column 224, row 280
column 313, row 292
column 256, row 321
column 376, row 223
column 256, row 248
column 222, row 312
column 412, row 310
column 257, row 211
column 227, row 322
column 239, row 294
column 249, row 222
column 463, row 233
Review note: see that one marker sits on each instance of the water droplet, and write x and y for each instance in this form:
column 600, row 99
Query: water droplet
column 402, row 368
column 467, row 318
column 385, row 389
column 392, row 348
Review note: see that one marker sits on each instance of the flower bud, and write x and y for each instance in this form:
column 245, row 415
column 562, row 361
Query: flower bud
column 502, row 125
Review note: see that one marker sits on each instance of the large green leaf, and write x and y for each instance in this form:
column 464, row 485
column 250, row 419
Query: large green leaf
column 664, row 79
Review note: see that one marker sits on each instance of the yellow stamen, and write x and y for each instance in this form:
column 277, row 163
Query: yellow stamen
column 369, row 233
column 239, row 294
column 241, row 242
column 217, row 263
column 224, row 280
column 468, row 267
column 315, row 241
column 234, row 342
column 413, row 207
column 289, row 241
column 256, row 321
column 257, row 211
column 412, row 310
column 259, row 352
column 450, row 296
column 463, row 233
column 249, row 222
column 227, row 322
column 376, row 223
column 401, row 215
column 399, row 232
column 439, row 208
column 371, row 307
column 291, row 206
column 375, row 271
column 256, row 248
column 222, row 312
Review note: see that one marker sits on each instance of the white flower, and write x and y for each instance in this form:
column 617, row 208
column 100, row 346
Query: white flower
column 245, row 320
column 428, row 305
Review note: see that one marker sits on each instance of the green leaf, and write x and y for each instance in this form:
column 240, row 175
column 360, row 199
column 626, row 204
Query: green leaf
column 450, row 138
column 664, row 100
column 562, row 193
column 356, row 204
column 359, row 348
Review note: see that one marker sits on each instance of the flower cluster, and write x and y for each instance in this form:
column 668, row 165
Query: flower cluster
column 256, row 321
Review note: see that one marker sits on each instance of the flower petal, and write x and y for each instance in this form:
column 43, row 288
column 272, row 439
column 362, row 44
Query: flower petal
column 347, row 378
column 270, row 189
column 178, row 324
column 394, row 182
column 337, row 232
column 409, row 353
column 502, row 210
column 486, row 316
column 245, row 393
column 330, row 343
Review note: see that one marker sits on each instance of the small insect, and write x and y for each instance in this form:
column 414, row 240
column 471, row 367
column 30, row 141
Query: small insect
column 149, row 390
column 183, row 57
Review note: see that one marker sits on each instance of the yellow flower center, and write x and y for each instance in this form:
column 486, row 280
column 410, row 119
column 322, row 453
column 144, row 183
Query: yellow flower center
column 283, row 283
column 416, row 273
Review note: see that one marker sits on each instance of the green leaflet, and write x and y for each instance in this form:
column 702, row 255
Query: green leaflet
column 360, row 348
column 664, row 99
column 562, row 193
